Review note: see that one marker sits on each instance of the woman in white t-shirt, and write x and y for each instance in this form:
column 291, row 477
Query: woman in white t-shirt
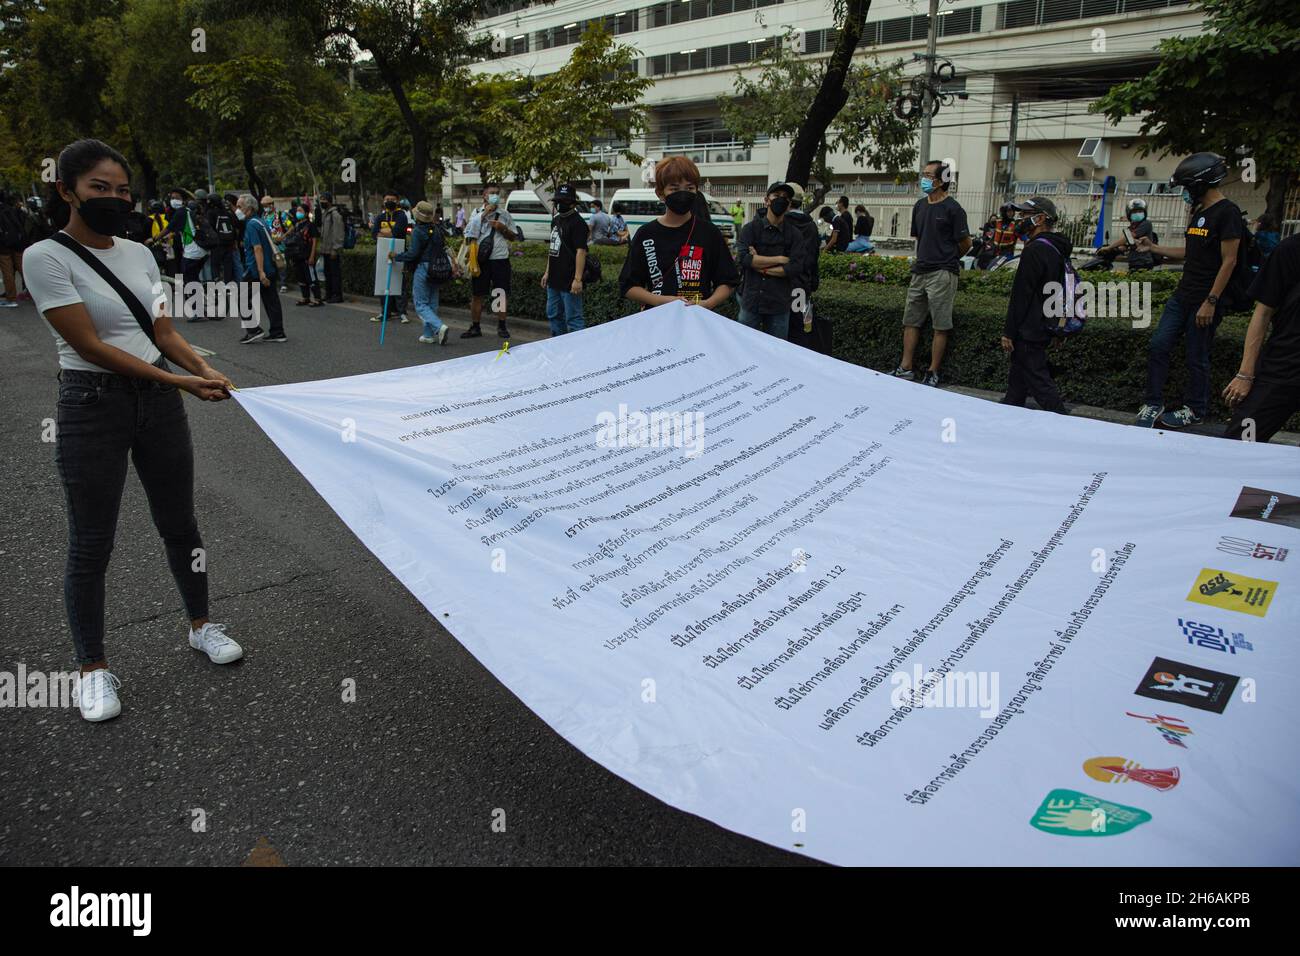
column 117, row 398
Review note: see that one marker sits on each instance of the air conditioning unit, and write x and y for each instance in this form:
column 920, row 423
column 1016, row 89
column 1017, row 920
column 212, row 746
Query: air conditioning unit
column 1002, row 153
column 1095, row 153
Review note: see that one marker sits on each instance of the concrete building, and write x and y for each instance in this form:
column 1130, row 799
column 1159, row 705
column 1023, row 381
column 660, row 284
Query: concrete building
column 1052, row 58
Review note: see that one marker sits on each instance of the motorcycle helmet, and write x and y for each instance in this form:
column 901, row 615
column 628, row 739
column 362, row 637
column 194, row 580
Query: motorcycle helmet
column 1198, row 172
column 1007, row 211
column 156, row 206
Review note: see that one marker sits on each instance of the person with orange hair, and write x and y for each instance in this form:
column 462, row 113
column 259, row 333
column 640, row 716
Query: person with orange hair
column 682, row 255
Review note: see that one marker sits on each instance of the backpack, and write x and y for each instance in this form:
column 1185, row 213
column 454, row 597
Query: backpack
column 204, row 235
column 1073, row 313
column 1249, row 259
column 225, row 228
column 295, row 244
column 12, row 229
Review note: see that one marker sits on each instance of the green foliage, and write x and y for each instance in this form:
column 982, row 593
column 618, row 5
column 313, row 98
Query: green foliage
column 543, row 130
column 1105, row 365
column 777, row 102
column 1233, row 85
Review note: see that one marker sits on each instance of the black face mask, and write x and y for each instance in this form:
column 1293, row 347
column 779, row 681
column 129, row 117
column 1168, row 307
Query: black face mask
column 680, row 202
column 390, row 205
column 779, row 205
column 1024, row 227
column 105, row 215
column 564, row 208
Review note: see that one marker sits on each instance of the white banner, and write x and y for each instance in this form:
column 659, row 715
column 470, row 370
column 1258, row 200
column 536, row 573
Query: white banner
column 388, row 276
column 851, row 616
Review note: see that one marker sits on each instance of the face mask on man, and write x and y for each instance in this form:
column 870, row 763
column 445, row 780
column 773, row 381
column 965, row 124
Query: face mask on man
column 563, row 208
column 1024, row 226
column 105, row 215
column 680, row 202
column 390, row 205
column 240, row 215
column 1137, row 217
column 493, row 198
column 300, row 215
column 778, row 205
column 176, row 204
column 927, row 185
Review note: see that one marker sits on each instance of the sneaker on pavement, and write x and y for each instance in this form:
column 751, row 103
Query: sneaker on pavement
column 376, row 318
column 1180, row 418
column 473, row 332
column 212, row 640
column 904, row 373
column 406, row 320
column 1147, row 416
column 97, row 695
column 425, row 340
column 8, row 303
column 931, row 379
column 253, row 335
column 442, row 335
column 277, row 338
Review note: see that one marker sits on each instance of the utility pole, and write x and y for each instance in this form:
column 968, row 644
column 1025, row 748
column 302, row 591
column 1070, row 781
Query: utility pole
column 927, row 99
column 1011, row 147
column 211, row 187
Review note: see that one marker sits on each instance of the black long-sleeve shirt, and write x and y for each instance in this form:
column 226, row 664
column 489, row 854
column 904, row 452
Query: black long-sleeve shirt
column 1040, row 263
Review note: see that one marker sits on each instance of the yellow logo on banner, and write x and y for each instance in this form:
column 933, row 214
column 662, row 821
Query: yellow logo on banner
column 1232, row 592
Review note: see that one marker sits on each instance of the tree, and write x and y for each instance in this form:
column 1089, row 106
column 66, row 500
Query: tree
column 831, row 90
column 778, row 101
column 550, row 124
column 1233, row 90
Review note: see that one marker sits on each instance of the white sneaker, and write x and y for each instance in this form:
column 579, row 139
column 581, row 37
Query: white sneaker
column 8, row 304
column 425, row 340
column 211, row 639
column 97, row 695
column 442, row 335
column 406, row 320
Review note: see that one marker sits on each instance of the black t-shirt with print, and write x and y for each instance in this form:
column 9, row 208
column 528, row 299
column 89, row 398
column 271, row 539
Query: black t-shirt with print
column 1278, row 278
column 1205, row 230
column 690, row 260
column 568, row 235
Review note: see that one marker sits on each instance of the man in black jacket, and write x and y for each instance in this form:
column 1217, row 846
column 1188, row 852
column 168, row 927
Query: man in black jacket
column 806, row 329
column 771, row 259
column 1027, row 333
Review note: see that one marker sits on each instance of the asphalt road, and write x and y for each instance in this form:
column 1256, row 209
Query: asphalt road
column 411, row 773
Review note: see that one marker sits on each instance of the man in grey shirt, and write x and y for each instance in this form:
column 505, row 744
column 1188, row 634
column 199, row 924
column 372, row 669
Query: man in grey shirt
column 601, row 226
column 942, row 238
column 493, row 229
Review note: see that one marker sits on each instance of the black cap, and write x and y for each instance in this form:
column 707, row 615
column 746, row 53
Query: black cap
column 1037, row 204
column 780, row 188
column 566, row 193
column 327, row 196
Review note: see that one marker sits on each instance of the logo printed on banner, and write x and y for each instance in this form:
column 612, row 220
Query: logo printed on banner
column 1171, row 729
column 1234, row 592
column 1271, row 506
column 1187, row 684
column 1246, row 548
column 1122, row 770
column 1213, row 638
column 1075, row 814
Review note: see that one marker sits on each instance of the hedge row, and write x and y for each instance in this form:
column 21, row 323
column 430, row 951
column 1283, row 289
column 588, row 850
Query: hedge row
column 1104, row 366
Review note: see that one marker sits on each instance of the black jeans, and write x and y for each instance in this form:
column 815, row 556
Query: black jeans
column 271, row 307
column 303, row 273
column 101, row 419
column 191, row 269
column 333, row 276
column 1031, row 376
column 1267, row 407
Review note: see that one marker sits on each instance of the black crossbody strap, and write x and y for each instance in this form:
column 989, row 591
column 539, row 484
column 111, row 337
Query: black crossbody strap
column 128, row 297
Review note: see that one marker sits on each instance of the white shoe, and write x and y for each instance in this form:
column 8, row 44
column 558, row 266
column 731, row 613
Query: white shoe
column 425, row 340
column 8, row 304
column 97, row 695
column 406, row 320
column 442, row 335
column 211, row 639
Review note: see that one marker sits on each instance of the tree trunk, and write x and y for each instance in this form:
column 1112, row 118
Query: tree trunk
column 412, row 185
column 831, row 95
column 1274, row 204
column 823, row 173
column 148, row 171
column 255, row 184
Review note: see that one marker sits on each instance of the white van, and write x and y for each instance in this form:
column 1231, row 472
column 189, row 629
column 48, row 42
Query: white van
column 639, row 206
column 533, row 218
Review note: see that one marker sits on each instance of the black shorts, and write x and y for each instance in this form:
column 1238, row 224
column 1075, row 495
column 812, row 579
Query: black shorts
column 496, row 275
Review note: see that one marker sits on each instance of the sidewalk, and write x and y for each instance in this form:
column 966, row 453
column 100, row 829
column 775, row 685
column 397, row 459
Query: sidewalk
column 538, row 329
